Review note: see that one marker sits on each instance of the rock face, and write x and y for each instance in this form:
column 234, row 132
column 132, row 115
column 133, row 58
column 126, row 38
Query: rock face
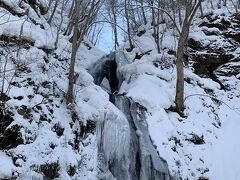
column 217, row 56
column 143, row 161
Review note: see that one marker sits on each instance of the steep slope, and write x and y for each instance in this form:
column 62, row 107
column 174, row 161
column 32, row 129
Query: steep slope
column 219, row 61
column 38, row 137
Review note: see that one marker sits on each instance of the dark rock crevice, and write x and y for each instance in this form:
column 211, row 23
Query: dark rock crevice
column 207, row 64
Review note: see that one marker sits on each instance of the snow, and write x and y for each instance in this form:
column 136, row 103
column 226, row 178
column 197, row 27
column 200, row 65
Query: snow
column 43, row 2
column 42, row 145
column 154, row 88
column 14, row 5
column 7, row 168
column 11, row 26
column 223, row 157
column 201, row 37
column 151, row 95
column 41, row 38
column 143, row 82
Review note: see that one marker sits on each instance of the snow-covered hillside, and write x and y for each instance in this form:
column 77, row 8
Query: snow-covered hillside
column 124, row 125
column 200, row 145
column 38, row 137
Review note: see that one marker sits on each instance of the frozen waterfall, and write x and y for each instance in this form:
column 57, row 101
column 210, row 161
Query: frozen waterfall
column 125, row 150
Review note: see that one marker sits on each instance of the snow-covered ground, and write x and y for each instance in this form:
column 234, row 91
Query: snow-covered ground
column 223, row 157
column 202, row 145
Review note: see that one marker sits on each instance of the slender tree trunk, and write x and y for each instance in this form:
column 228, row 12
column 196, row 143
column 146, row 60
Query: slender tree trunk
column 71, row 10
column 71, row 76
column 155, row 26
column 54, row 10
column 180, row 16
column 224, row 2
column 49, row 3
column 212, row 4
column 189, row 14
column 70, row 96
column 128, row 25
column 201, row 10
column 70, row 16
column 69, row 28
column 116, row 44
column 143, row 13
column 219, row 4
column 179, row 99
column 60, row 26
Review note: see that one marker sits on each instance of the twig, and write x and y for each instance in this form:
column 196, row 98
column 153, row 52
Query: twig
column 206, row 95
column 38, row 103
column 160, row 9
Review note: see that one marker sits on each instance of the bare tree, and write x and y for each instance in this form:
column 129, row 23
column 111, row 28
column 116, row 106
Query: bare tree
column 112, row 6
column 191, row 8
column 53, row 12
column 84, row 14
column 59, row 25
column 143, row 12
column 126, row 6
column 94, row 33
column 154, row 24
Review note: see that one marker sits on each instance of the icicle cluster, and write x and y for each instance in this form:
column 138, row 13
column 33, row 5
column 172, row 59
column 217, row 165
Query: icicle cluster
column 113, row 136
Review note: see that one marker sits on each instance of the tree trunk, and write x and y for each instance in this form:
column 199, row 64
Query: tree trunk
column 180, row 16
column 179, row 98
column 116, row 44
column 155, row 26
column 143, row 13
column 70, row 96
column 71, row 78
column 219, row 4
column 225, row 3
column 201, row 10
column 157, row 29
column 189, row 14
column 71, row 10
column 211, row 4
column 54, row 10
column 128, row 25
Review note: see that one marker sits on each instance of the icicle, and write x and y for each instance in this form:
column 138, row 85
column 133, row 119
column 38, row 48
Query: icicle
column 113, row 136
